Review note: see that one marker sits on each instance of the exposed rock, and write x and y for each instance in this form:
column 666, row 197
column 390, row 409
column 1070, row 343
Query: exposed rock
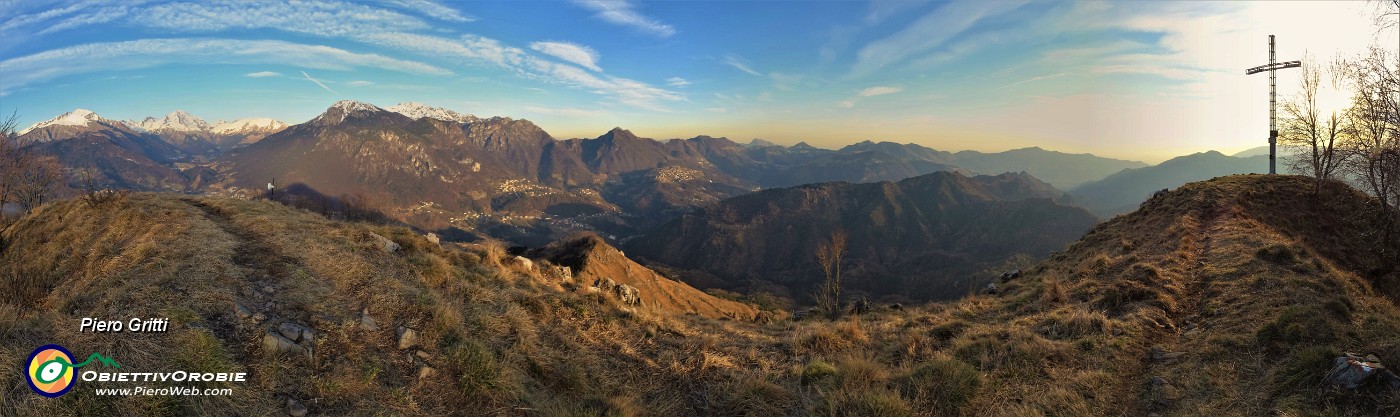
column 407, row 338
column 1007, row 276
column 388, row 246
column 597, row 267
column 425, row 371
column 991, row 288
column 860, row 306
column 296, row 332
column 522, row 262
column 433, row 238
column 1160, row 393
column 241, row 311
column 296, row 409
column 366, row 322
column 604, row 284
column 811, row 312
column 423, row 355
column 564, row 273
column 897, row 307
column 276, row 344
column 765, row 317
column 1162, row 356
column 627, row 294
column 259, row 317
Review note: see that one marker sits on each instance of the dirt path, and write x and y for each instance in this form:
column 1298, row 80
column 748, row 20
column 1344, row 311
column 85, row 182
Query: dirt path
column 1169, row 349
column 259, row 288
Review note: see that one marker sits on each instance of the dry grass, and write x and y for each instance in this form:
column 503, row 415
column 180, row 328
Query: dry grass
column 1255, row 299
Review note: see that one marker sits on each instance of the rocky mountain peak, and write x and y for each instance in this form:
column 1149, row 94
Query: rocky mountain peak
column 419, row 110
column 77, row 117
column 246, row 125
column 337, row 112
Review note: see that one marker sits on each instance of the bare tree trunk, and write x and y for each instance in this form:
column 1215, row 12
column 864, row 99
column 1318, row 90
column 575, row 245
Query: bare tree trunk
column 829, row 254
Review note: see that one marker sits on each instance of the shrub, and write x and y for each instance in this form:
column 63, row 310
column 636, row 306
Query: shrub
column 864, row 403
column 754, row 395
column 1301, row 370
column 477, row 367
column 1293, row 326
column 942, row 385
column 1277, row 253
column 1016, row 352
column 817, row 371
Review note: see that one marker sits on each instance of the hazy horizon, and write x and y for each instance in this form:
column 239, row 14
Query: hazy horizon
column 1136, row 81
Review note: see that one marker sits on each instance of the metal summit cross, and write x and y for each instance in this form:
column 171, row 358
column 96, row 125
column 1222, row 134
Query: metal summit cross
column 1273, row 96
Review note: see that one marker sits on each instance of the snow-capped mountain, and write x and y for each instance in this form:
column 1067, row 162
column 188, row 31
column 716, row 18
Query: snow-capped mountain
column 248, row 125
column 77, row 118
column 176, row 121
column 419, row 110
column 337, row 112
column 196, row 136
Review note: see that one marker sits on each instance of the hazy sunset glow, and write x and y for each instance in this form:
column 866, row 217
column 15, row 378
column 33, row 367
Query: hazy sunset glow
column 1138, row 80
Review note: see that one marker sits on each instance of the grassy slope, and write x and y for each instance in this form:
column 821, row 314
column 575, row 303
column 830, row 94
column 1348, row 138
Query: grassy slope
column 1256, row 284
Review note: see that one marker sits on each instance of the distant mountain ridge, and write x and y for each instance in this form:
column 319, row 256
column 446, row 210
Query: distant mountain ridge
column 919, row 238
column 195, row 136
column 1123, row 191
column 509, row 178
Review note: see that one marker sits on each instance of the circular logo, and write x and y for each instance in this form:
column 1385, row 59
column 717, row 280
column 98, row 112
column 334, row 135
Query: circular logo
column 50, row 371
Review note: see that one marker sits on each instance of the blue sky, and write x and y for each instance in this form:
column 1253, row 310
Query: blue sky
column 1139, row 80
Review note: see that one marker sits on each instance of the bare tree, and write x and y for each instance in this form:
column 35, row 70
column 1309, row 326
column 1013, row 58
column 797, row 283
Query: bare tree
column 829, row 254
column 14, row 161
column 37, row 182
column 94, row 194
column 9, row 161
column 1318, row 137
column 1373, row 122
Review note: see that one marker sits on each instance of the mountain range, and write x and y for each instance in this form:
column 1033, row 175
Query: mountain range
column 1122, row 192
column 717, row 213
column 920, row 238
column 440, row 164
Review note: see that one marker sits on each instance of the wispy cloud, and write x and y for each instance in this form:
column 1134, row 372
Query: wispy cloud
column 432, row 9
column 926, row 33
column 318, row 82
column 569, row 52
column 716, row 109
column 620, row 12
column 677, row 82
column 360, row 83
column 146, row 53
column 469, row 49
column 475, row 50
column 393, row 25
column 737, row 62
column 879, row 90
column 880, row 10
column 1034, row 79
column 261, row 74
column 317, row 17
column 565, row 111
column 846, row 104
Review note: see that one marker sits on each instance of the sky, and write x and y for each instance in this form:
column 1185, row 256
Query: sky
column 1133, row 80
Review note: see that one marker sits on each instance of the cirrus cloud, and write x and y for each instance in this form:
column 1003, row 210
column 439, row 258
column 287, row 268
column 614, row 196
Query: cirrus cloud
column 580, row 55
column 619, row 12
column 880, row 90
column 146, row 53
